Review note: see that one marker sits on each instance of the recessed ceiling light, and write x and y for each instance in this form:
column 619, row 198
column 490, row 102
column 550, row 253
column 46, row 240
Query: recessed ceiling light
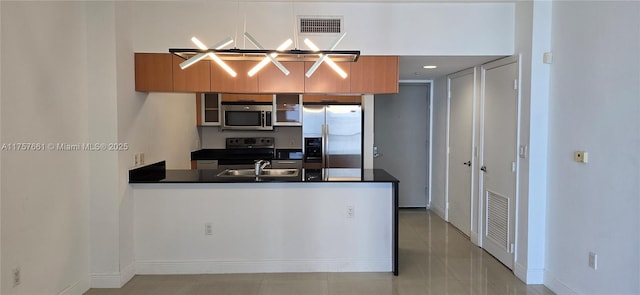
column 429, row 67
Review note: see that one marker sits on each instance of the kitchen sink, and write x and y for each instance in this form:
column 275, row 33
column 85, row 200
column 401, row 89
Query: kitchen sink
column 263, row 173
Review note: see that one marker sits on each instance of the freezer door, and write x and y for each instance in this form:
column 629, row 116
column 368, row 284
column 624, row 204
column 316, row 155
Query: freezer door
column 312, row 121
column 343, row 136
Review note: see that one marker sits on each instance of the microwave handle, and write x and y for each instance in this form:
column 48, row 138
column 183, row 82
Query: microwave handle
column 267, row 118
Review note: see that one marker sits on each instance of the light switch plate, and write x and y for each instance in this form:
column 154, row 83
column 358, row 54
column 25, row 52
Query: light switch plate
column 547, row 58
column 593, row 260
column 523, row 151
column 581, row 156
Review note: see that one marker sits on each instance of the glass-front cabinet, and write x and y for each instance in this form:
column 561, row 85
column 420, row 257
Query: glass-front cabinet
column 210, row 109
column 288, row 109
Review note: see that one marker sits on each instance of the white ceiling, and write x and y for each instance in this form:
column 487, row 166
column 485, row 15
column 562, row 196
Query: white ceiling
column 411, row 67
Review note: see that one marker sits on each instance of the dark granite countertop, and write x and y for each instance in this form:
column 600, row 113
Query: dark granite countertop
column 209, row 154
column 156, row 173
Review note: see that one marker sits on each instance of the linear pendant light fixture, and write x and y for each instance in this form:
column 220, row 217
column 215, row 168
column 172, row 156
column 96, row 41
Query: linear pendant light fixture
column 187, row 63
column 264, row 56
column 268, row 57
column 325, row 58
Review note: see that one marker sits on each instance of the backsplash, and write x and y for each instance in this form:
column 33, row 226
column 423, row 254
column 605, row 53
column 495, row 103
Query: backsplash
column 285, row 137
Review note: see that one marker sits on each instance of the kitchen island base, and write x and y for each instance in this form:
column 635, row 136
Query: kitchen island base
column 199, row 228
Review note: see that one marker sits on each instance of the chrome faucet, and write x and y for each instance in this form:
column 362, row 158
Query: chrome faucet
column 259, row 165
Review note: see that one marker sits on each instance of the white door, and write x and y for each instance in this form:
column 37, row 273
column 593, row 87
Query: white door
column 499, row 157
column 401, row 129
column 459, row 194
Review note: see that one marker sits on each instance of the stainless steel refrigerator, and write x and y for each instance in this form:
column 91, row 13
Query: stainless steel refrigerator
column 332, row 136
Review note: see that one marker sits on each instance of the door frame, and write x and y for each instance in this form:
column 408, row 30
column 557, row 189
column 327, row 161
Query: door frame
column 483, row 68
column 474, row 236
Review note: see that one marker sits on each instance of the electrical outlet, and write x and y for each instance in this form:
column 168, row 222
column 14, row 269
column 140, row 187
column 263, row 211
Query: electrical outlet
column 593, row 260
column 141, row 158
column 350, row 212
column 208, row 229
column 16, row 277
column 136, row 159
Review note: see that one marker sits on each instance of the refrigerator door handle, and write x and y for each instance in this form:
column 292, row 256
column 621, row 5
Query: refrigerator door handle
column 326, row 147
column 323, row 145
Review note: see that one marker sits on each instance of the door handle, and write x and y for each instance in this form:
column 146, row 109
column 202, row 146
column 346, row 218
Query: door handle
column 468, row 163
column 375, row 152
column 483, row 168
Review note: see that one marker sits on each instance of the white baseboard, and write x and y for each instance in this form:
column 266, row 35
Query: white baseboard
column 265, row 266
column 529, row 276
column 77, row 288
column 113, row 280
column 475, row 238
column 102, row 280
column 127, row 273
column 439, row 211
column 557, row 286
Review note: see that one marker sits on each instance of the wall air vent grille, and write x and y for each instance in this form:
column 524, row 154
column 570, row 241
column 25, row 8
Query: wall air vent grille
column 498, row 219
column 320, row 24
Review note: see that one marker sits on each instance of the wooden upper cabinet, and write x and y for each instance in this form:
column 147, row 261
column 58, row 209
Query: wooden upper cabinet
column 332, row 99
column 196, row 78
column 272, row 80
column 326, row 80
column 154, row 72
column 160, row 72
column 375, row 74
column 221, row 81
column 242, row 97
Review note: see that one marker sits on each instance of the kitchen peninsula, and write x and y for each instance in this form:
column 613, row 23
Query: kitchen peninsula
column 326, row 220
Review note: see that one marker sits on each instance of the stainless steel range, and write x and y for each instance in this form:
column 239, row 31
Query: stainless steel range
column 242, row 152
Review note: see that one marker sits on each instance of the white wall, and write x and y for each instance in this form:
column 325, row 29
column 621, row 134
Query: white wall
column 62, row 94
column 160, row 125
column 103, row 127
column 533, row 29
column 368, row 106
column 1, row 278
column 373, row 28
column 284, row 137
column 263, row 227
column 594, row 106
column 45, row 220
column 125, row 98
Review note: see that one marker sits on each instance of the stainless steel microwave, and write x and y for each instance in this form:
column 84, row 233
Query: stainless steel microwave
column 247, row 116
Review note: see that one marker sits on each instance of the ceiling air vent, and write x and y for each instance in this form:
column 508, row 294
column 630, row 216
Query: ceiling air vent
column 320, row 24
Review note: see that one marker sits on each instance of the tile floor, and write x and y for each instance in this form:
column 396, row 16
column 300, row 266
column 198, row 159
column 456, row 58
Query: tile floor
column 435, row 258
